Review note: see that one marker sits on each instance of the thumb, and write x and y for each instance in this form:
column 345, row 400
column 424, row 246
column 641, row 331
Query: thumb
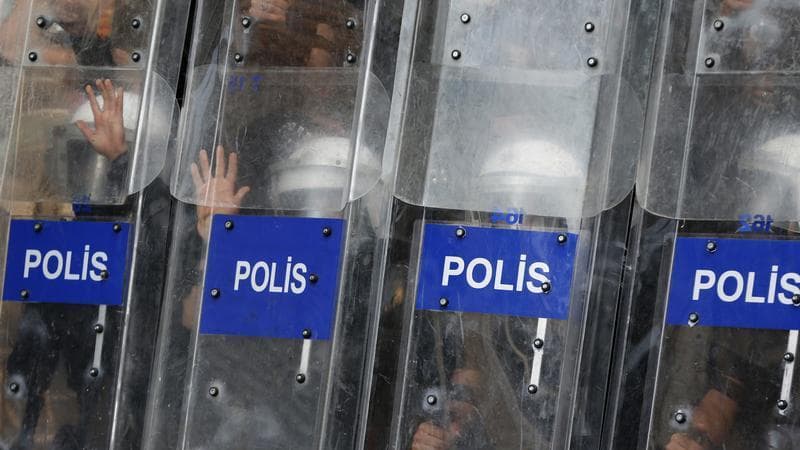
column 84, row 127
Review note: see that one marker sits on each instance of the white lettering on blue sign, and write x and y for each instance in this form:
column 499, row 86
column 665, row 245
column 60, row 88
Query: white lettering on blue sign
column 55, row 265
column 264, row 275
column 731, row 286
column 454, row 266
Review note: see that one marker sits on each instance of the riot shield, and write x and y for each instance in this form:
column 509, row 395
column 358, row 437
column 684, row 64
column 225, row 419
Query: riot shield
column 279, row 179
column 517, row 139
column 86, row 110
column 707, row 350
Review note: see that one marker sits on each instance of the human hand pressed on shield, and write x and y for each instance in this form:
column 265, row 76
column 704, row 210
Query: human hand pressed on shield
column 432, row 437
column 681, row 441
column 108, row 135
column 218, row 189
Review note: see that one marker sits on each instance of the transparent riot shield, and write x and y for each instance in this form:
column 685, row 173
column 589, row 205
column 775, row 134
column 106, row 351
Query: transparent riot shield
column 280, row 180
column 87, row 105
column 709, row 336
column 517, row 139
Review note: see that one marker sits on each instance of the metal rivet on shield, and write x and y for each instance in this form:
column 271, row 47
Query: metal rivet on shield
column 238, row 57
column 719, row 25
column 592, row 62
column 136, row 57
column 117, row 228
column 24, row 294
column 306, row 334
column 693, row 318
column 588, row 27
column 532, row 389
column 98, row 328
column 680, row 417
column 213, row 391
column 13, row 387
column 783, row 404
column 796, row 299
column 788, row 357
column 326, row 231
column 538, row 343
column 455, row 54
column 350, row 23
column 711, row 246
column 94, row 372
column 215, row 293
column 313, row 278
column 460, row 232
column 37, row 227
column 300, row 378
column 246, row 22
column 350, row 58
column 431, row 399
column 465, row 18
column 136, row 23
column 41, row 22
column 562, row 238
column 710, row 62
column 443, row 302
column 32, row 56
column 104, row 274
column 546, row 287
column 228, row 225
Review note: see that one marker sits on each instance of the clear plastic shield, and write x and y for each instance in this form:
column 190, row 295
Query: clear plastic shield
column 86, row 107
column 475, row 105
column 517, row 139
column 280, row 179
column 707, row 349
column 721, row 139
column 91, row 101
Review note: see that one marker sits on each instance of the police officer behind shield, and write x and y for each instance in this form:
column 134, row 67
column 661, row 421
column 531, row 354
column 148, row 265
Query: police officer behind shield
column 743, row 371
column 50, row 335
column 262, row 163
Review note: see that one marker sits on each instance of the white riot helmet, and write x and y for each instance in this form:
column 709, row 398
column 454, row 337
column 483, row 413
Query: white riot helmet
column 774, row 166
column 532, row 171
column 317, row 174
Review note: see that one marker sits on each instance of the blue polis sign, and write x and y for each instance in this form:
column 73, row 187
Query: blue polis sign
column 272, row 276
column 496, row 271
column 742, row 283
column 75, row 262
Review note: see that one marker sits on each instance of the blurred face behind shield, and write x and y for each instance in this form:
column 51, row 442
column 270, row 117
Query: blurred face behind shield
column 74, row 15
